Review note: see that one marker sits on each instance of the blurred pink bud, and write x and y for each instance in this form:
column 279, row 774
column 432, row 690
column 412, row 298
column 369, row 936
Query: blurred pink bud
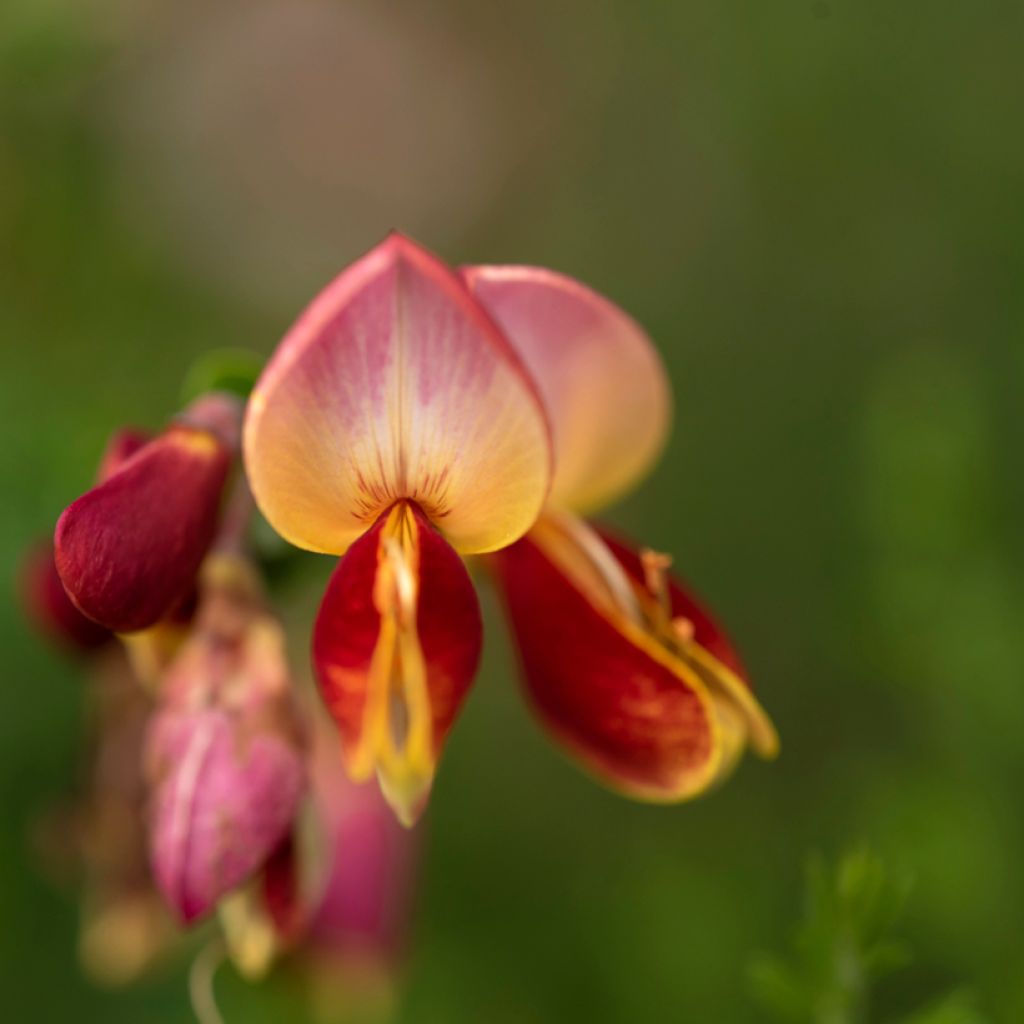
column 225, row 751
column 361, row 915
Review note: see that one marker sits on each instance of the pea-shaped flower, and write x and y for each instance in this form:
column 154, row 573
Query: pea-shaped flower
column 413, row 415
column 396, row 426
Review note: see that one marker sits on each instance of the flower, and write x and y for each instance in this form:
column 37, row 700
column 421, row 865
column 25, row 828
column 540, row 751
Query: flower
column 397, row 427
column 224, row 751
column 413, row 415
column 128, row 550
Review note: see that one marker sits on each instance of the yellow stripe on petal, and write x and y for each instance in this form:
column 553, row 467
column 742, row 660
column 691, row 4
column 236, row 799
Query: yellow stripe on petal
column 602, row 381
column 625, row 668
column 395, row 384
column 396, row 738
column 395, row 647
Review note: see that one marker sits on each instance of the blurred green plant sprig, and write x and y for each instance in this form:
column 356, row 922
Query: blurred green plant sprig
column 845, row 944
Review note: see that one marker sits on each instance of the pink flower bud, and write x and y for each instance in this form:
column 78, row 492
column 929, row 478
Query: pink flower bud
column 224, row 752
column 362, row 907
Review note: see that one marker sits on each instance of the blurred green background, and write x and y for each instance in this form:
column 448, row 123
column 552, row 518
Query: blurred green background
column 817, row 209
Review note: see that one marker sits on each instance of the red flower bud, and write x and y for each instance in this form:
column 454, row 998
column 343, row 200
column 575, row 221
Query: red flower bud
column 128, row 550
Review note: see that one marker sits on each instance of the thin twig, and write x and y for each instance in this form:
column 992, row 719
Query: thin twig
column 200, row 982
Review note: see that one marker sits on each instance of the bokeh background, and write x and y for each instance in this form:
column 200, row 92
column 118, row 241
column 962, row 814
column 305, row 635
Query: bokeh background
column 817, row 209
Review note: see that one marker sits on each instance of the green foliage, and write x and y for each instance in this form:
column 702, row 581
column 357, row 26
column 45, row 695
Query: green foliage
column 846, row 942
column 956, row 1008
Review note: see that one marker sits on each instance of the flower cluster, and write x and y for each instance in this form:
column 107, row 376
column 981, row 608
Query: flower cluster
column 414, row 417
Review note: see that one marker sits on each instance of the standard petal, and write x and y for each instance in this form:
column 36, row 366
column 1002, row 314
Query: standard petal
column 128, row 550
column 635, row 720
column 394, row 384
column 395, row 647
column 602, row 381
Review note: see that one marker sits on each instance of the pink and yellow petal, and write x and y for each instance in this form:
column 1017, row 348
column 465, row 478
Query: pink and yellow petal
column 395, row 647
column 394, row 384
column 603, row 384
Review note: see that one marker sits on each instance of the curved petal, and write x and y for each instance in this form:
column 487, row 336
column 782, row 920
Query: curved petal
column 395, row 647
column 602, row 381
column 636, row 698
column 633, row 721
column 395, row 384
column 128, row 550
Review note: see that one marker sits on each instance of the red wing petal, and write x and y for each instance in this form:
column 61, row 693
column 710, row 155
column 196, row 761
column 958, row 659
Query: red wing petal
column 629, row 718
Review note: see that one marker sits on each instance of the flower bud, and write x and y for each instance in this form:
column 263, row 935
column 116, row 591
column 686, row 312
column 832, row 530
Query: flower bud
column 362, row 892
column 128, row 550
column 224, row 752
